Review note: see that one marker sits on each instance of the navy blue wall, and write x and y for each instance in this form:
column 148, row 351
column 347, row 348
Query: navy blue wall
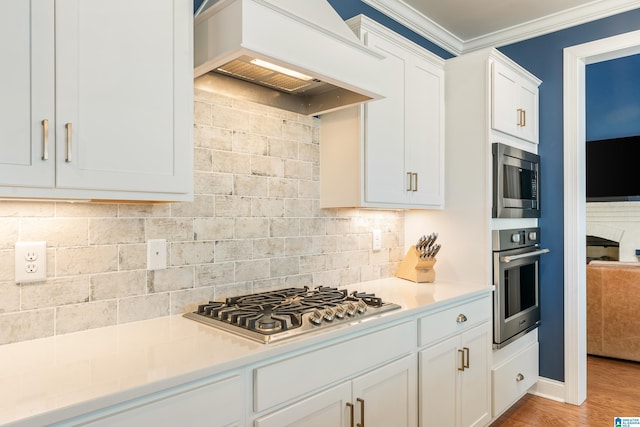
column 543, row 57
column 613, row 98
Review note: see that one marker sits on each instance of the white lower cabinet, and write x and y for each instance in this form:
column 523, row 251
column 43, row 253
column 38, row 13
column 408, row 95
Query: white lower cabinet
column 365, row 380
column 428, row 369
column 323, row 409
column 383, row 397
column 387, row 396
column 454, row 382
column 513, row 377
column 454, row 367
column 218, row 402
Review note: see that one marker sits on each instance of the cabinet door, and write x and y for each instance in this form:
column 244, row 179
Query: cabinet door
column 124, row 86
column 505, row 114
column 26, row 93
column 475, row 404
column 388, row 395
column 384, row 167
column 438, row 380
column 328, row 408
column 529, row 105
column 514, row 104
column 424, row 141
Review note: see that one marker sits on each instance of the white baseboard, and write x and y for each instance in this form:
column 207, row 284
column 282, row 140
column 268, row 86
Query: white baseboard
column 549, row 389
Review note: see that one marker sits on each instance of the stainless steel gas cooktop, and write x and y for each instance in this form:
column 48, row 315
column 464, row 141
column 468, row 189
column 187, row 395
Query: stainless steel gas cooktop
column 285, row 313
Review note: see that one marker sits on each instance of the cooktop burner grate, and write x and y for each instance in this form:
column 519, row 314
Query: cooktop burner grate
column 279, row 314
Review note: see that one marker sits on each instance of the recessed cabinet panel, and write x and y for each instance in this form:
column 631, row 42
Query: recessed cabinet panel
column 123, row 134
column 384, row 121
column 387, row 395
column 26, row 93
column 426, row 156
column 328, row 408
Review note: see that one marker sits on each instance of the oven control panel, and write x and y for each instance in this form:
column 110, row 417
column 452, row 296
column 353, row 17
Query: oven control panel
column 515, row 238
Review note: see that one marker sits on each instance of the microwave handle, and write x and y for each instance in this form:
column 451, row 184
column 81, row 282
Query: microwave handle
column 510, row 258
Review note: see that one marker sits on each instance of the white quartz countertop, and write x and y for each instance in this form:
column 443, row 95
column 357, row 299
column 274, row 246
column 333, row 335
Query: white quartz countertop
column 51, row 379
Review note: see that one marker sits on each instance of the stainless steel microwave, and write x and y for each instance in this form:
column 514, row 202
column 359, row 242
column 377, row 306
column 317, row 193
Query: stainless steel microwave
column 516, row 192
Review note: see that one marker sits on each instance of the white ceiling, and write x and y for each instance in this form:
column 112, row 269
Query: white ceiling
column 464, row 25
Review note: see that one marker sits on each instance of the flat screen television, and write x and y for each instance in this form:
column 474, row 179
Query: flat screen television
column 613, row 169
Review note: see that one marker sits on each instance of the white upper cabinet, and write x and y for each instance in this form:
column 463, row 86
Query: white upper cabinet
column 120, row 124
column 388, row 153
column 27, row 110
column 514, row 102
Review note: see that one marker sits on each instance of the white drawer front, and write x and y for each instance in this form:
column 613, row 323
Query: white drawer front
column 296, row 376
column 512, row 379
column 437, row 326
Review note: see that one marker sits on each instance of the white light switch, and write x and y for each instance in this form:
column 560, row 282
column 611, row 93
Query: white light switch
column 376, row 237
column 156, row 254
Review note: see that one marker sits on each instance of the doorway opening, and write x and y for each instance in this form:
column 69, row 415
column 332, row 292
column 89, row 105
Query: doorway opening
column 575, row 60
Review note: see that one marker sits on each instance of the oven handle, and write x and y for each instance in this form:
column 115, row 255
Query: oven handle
column 510, row 258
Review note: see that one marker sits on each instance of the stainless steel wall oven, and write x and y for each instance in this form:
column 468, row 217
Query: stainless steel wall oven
column 516, row 308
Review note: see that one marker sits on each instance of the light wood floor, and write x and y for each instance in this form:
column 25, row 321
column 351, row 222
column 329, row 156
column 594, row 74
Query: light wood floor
column 613, row 390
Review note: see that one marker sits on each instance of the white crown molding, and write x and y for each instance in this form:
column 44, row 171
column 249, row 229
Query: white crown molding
column 424, row 26
column 418, row 23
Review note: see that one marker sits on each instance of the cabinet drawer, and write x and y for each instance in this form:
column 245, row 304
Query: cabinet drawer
column 290, row 378
column 514, row 377
column 444, row 323
column 219, row 399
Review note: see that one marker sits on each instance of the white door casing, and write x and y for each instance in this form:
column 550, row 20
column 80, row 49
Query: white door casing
column 575, row 60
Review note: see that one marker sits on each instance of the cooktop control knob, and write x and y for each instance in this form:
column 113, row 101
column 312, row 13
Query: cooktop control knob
column 533, row 236
column 316, row 317
column 515, row 238
column 328, row 315
column 340, row 312
column 362, row 307
column 351, row 309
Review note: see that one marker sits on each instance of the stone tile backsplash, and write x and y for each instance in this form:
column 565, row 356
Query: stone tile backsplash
column 255, row 224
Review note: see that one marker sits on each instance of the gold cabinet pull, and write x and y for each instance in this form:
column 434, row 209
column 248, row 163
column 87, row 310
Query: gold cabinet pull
column 415, row 176
column 519, row 377
column 45, row 139
column 461, row 367
column 350, row 406
column 522, row 117
column 69, row 133
column 466, row 351
column 461, row 318
column 409, row 181
column 361, row 423
column 519, row 117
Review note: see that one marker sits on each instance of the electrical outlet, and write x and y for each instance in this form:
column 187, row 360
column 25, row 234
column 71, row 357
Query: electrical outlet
column 156, row 254
column 376, row 238
column 31, row 261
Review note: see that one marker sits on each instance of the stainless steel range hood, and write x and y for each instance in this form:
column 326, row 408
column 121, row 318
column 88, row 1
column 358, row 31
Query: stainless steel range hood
column 326, row 67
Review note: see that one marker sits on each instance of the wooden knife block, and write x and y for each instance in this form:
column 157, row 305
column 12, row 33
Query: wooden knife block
column 415, row 269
